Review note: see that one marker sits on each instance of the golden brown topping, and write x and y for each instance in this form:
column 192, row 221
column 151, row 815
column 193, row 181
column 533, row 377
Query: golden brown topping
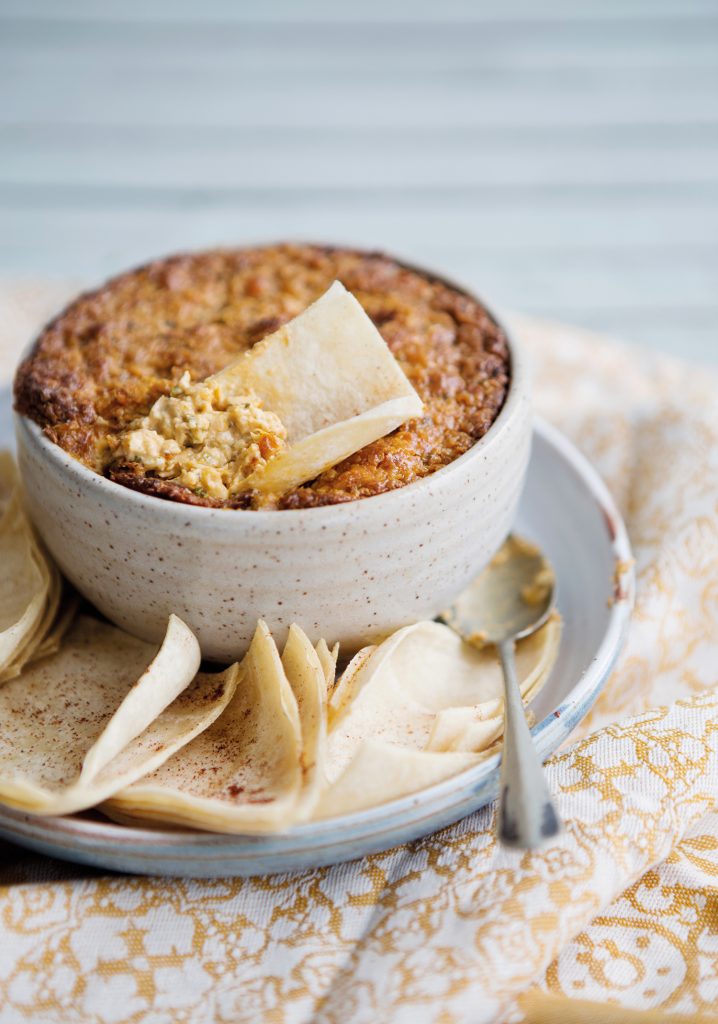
column 105, row 360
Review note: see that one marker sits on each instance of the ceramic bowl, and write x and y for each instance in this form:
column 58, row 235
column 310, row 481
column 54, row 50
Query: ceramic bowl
column 350, row 572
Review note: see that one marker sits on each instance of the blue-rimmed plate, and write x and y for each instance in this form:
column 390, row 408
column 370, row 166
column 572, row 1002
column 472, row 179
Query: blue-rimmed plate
column 567, row 509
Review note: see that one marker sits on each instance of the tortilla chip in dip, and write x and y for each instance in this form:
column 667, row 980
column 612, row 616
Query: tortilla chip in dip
column 103, row 711
column 333, row 382
column 244, row 773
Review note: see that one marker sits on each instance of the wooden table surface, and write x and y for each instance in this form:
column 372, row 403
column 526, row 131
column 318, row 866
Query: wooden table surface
column 561, row 156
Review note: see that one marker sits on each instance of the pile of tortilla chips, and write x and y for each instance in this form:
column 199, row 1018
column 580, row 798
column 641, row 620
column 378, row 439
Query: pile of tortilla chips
column 94, row 717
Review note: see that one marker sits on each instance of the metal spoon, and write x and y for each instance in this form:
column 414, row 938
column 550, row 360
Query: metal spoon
column 512, row 598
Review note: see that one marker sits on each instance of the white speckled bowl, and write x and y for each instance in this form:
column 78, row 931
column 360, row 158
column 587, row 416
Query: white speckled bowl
column 347, row 572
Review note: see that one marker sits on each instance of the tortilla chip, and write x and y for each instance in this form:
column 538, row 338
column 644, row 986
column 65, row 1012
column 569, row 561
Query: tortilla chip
column 52, row 639
column 172, row 669
column 343, row 692
column 331, row 379
column 30, row 585
column 121, row 817
column 424, row 688
column 9, row 479
column 244, row 773
column 328, row 661
column 467, row 729
column 44, row 637
column 307, row 678
column 380, row 772
column 25, row 583
column 311, row 456
column 91, row 719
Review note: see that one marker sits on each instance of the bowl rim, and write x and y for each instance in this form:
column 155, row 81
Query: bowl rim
column 517, row 393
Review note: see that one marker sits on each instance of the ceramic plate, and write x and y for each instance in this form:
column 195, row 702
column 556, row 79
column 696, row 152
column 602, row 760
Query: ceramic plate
column 565, row 508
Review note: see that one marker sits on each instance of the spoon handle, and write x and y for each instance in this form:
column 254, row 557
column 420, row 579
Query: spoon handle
column 526, row 812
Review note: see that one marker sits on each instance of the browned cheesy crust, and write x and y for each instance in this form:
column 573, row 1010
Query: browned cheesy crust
column 106, row 358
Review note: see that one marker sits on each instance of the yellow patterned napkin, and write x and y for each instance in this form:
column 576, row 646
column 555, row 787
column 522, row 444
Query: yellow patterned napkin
column 622, row 908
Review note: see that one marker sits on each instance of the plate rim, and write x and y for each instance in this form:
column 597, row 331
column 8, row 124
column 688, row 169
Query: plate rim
column 373, row 823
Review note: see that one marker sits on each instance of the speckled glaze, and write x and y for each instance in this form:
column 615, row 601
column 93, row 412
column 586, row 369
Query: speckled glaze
column 348, row 572
column 567, row 510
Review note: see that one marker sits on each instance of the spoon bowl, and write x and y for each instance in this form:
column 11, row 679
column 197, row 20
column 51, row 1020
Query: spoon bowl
column 512, row 598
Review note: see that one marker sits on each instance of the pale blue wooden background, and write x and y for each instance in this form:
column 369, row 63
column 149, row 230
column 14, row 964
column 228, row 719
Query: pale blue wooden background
column 560, row 156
